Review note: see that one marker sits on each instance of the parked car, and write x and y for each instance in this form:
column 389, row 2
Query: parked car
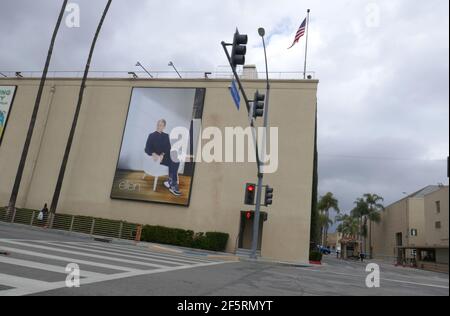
column 324, row 250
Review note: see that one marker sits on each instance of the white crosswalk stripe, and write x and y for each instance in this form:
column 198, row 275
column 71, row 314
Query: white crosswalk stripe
column 31, row 264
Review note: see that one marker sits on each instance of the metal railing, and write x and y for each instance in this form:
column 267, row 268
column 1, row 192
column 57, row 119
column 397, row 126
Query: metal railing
column 294, row 75
column 95, row 227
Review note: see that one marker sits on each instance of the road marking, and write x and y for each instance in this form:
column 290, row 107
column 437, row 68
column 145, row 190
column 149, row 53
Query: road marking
column 45, row 267
column 129, row 254
column 154, row 265
column 382, row 279
column 155, row 259
column 24, row 286
column 414, row 283
column 143, row 250
column 44, row 287
column 70, row 260
column 19, row 282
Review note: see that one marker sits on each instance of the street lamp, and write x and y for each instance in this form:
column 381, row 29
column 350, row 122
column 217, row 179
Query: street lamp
column 138, row 64
column 262, row 33
column 173, row 66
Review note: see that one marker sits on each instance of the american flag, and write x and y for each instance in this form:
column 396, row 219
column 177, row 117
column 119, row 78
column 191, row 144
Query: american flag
column 300, row 33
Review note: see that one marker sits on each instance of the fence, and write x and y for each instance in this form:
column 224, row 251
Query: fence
column 75, row 223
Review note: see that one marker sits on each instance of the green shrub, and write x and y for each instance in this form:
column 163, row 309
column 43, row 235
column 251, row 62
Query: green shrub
column 185, row 238
column 315, row 256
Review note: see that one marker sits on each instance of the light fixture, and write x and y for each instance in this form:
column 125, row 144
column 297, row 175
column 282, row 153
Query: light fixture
column 173, row 66
column 133, row 74
column 138, row 64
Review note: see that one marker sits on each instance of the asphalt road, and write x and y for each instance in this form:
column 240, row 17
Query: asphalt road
column 37, row 261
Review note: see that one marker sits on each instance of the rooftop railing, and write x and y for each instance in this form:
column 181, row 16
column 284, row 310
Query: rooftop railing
column 294, row 75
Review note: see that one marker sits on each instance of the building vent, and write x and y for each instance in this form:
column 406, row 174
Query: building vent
column 250, row 72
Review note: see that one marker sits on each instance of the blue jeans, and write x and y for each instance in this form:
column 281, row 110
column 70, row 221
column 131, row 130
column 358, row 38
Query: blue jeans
column 173, row 173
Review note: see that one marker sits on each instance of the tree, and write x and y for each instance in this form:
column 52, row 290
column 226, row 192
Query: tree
column 348, row 227
column 324, row 221
column 374, row 207
column 360, row 212
column 326, row 203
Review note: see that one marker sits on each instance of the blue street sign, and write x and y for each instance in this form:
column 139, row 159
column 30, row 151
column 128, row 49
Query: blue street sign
column 235, row 94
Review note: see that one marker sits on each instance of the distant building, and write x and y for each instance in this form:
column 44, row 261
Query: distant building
column 333, row 241
column 414, row 230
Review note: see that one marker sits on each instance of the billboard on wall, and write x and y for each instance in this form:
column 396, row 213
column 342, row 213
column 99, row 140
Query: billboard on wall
column 6, row 100
column 151, row 167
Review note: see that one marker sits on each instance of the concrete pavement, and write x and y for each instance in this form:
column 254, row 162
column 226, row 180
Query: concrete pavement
column 37, row 260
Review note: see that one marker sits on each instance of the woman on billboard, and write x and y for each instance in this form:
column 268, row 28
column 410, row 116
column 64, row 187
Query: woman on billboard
column 159, row 148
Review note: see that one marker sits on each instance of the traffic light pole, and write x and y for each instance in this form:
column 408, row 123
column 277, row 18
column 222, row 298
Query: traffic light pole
column 256, row 223
column 257, row 216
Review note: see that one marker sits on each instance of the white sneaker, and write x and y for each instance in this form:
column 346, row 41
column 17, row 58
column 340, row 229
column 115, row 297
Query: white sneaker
column 167, row 184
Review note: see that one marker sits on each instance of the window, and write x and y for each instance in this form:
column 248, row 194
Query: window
column 413, row 232
column 438, row 207
column 438, row 225
column 399, row 239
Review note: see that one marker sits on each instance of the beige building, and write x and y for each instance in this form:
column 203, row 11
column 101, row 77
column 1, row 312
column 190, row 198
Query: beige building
column 334, row 241
column 216, row 199
column 414, row 230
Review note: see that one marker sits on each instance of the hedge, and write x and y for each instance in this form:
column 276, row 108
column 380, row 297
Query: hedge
column 213, row 241
column 315, row 256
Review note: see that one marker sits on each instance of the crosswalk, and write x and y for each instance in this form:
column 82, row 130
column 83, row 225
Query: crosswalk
column 36, row 266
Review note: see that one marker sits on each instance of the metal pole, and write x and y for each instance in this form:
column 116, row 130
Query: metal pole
column 173, row 66
column 62, row 170
column 247, row 103
column 140, row 65
column 26, row 146
column 306, row 46
column 256, row 223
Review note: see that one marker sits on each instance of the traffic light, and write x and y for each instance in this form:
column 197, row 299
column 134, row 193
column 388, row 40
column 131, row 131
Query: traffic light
column 269, row 196
column 249, row 215
column 250, row 190
column 239, row 49
column 258, row 105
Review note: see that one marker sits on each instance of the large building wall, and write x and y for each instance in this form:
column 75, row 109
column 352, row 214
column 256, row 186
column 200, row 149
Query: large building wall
column 394, row 220
column 416, row 221
column 418, row 213
column 437, row 237
column 217, row 194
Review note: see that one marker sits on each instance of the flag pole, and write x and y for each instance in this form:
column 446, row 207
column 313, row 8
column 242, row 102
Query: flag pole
column 306, row 46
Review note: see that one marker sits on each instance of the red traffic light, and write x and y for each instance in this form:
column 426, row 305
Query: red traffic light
column 250, row 190
column 248, row 215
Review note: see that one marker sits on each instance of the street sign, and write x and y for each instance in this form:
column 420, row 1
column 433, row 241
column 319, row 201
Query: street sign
column 235, row 94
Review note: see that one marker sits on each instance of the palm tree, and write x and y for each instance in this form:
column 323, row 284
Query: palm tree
column 324, row 221
column 375, row 206
column 326, row 203
column 360, row 212
column 348, row 227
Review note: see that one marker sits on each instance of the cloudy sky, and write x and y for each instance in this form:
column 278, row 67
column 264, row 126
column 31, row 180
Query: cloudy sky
column 383, row 67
